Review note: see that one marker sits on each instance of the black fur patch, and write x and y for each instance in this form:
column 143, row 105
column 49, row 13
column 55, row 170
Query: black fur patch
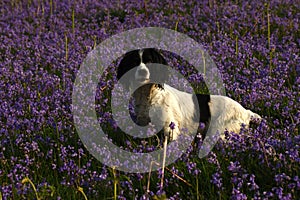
column 203, row 100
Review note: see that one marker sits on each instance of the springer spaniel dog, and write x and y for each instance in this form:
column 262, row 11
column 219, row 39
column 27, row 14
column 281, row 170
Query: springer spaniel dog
column 218, row 112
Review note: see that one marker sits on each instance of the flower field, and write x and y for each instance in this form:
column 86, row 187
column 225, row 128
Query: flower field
column 255, row 45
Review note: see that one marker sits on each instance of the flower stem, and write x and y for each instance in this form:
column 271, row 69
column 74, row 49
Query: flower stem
column 73, row 19
column 80, row 189
column 164, row 162
column 236, row 45
column 27, row 180
column 115, row 183
column 66, row 47
column 269, row 36
column 51, row 7
column 204, row 62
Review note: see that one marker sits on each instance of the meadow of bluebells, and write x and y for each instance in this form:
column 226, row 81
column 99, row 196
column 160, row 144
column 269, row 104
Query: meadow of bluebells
column 255, row 45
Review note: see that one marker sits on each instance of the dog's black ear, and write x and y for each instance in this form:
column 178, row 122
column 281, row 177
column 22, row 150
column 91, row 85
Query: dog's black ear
column 159, row 58
column 129, row 61
column 154, row 56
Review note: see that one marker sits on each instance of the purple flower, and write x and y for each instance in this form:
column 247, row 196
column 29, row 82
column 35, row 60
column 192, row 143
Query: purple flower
column 237, row 195
column 281, row 178
column 234, row 167
column 172, row 125
column 217, row 180
column 252, row 184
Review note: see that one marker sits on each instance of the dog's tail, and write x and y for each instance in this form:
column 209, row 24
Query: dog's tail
column 254, row 117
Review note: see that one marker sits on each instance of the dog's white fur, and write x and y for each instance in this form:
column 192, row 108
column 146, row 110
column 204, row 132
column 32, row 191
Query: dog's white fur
column 227, row 114
column 179, row 107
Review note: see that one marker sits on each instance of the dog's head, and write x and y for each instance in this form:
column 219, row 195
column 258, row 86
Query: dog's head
column 145, row 62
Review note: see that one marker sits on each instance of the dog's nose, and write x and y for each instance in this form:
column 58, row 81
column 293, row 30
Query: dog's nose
column 142, row 72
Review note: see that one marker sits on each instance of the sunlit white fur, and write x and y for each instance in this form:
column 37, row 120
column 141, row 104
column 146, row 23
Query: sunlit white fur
column 227, row 114
column 179, row 107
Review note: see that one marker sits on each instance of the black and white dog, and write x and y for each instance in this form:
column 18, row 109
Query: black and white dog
column 220, row 113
